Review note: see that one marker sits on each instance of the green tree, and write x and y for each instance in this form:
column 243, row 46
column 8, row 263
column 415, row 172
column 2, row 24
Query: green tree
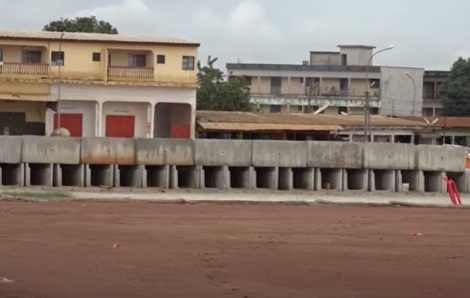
column 455, row 90
column 216, row 94
column 81, row 24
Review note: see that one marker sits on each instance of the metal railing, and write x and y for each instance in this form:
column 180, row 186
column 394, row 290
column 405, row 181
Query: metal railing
column 352, row 94
column 24, row 68
column 130, row 72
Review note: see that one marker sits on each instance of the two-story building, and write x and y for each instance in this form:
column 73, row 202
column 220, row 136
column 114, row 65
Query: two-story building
column 97, row 84
column 334, row 83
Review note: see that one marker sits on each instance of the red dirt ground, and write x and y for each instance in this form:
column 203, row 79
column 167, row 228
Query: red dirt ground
column 65, row 249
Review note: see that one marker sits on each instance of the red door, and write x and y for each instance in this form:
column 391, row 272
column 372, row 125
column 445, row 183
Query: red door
column 120, row 126
column 73, row 122
column 180, row 130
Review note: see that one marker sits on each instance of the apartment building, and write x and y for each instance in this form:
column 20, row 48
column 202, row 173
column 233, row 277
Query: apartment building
column 97, row 84
column 432, row 83
column 334, row 83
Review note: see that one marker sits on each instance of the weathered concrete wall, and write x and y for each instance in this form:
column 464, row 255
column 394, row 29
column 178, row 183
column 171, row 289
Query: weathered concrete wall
column 51, row 150
column 178, row 152
column 441, row 158
column 389, row 156
column 223, row 152
column 335, row 155
column 10, row 149
column 108, row 151
column 281, row 154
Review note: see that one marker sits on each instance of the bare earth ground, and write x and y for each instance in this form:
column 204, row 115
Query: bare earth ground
column 65, row 249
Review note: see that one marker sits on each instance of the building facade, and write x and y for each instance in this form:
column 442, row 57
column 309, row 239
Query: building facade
column 432, row 83
column 334, row 83
column 97, row 85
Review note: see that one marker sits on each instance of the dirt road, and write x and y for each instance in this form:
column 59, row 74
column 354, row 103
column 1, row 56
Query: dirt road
column 65, row 249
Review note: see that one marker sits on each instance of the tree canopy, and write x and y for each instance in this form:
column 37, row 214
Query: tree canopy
column 216, row 94
column 456, row 89
column 81, row 24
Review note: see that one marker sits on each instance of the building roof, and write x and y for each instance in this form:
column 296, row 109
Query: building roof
column 301, row 67
column 94, row 37
column 245, row 121
column 325, row 52
column 445, row 122
column 356, row 46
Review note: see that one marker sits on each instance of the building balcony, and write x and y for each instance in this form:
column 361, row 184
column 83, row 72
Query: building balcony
column 128, row 72
column 36, row 69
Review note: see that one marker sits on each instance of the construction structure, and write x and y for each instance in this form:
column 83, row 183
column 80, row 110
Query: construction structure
column 229, row 164
column 97, row 84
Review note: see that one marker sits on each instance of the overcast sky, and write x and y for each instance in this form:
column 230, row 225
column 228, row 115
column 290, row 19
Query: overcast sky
column 425, row 33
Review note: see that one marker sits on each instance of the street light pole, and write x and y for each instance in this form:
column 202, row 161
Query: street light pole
column 414, row 92
column 367, row 124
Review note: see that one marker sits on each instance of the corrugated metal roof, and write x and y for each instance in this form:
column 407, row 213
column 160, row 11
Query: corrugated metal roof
column 446, row 122
column 254, row 121
column 232, row 126
column 98, row 37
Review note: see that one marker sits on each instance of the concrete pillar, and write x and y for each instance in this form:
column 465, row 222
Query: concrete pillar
column 215, row 177
column 355, row 179
column 382, row 180
column 258, row 84
column 39, row 175
column 57, row 175
column 156, row 176
column 330, row 179
column 266, row 177
column 99, row 119
column 151, row 121
column 127, row 176
column 285, row 179
column 303, row 178
column 99, row 175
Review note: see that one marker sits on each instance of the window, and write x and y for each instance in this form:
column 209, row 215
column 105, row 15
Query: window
column 137, row 60
column 31, row 57
column 96, row 57
column 375, row 83
column 248, row 80
column 188, row 62
column 57, row 58
column 160, row 59
column 1, row 55
column 274, row 109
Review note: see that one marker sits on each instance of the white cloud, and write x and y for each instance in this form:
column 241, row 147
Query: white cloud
column 249, row 18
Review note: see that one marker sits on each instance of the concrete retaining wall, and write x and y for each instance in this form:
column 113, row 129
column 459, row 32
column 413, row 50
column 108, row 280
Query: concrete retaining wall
column 10, row 149
column 389, row 156
column 51, row 150
column 335, row 155
column 224, row 164
column 223, row 152
column 178, row 152
column 281, row 154
column 108, row 151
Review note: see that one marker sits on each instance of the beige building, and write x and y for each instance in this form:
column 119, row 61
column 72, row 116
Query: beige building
column 97, row 84
column 334, row 83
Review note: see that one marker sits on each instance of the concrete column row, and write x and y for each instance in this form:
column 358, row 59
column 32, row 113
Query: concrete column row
column 224, row 177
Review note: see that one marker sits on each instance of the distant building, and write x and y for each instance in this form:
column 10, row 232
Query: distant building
column 336, row 82
column 109, row 85
column 432, row 83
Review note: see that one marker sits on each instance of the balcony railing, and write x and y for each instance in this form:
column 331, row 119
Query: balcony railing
column 130, row 72
column 345, row 94
column 24, row 68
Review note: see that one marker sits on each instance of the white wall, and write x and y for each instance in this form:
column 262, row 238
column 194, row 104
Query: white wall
column 398, row 97
column 357, row 56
